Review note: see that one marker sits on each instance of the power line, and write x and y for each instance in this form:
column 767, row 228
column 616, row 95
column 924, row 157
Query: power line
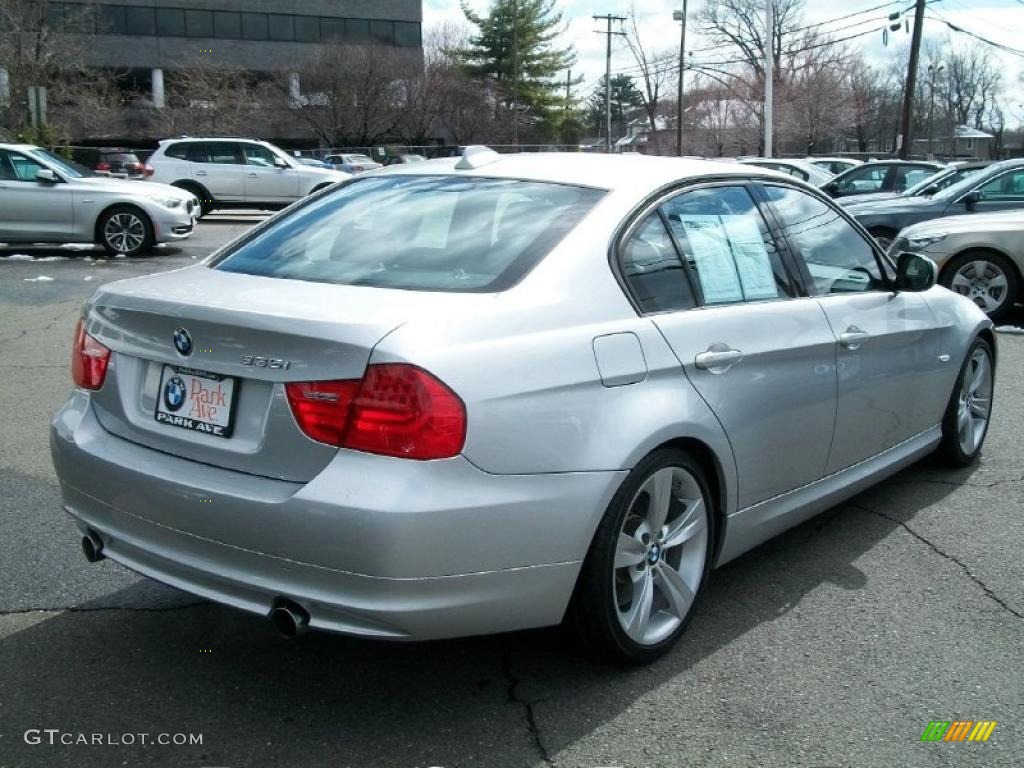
column 976, row 36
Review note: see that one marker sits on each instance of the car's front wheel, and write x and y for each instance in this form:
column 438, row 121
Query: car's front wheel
column 965, row 423
column 987, row 279
column 125, row 230
column 648, row 562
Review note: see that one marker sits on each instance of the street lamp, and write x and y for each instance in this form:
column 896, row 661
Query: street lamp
column 680, row 16
column 932, row 72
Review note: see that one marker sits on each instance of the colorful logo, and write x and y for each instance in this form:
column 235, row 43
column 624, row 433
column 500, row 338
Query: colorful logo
column 958, row 730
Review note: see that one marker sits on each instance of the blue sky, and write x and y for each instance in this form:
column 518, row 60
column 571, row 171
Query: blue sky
column 999, row 20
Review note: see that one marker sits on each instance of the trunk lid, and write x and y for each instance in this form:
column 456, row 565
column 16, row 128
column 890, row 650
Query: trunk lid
column 259, row 331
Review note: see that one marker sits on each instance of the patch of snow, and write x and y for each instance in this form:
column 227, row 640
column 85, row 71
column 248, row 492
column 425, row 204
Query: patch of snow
column 17, row 257
column 78, row 246
column 52, row 258
column 40, row 279
column 87, row 278
column 125, row 256
column 1013, row 330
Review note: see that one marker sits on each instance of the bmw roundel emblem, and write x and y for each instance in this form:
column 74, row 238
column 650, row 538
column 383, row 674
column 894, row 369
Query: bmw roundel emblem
column 183, row 341
column 174, row 393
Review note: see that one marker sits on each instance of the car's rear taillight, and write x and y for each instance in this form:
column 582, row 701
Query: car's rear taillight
column 395, row 410
column 147, row 169
column 89, row 360
column 102, row 167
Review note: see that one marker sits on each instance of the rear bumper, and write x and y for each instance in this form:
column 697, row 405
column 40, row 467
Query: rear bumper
column 372, row 546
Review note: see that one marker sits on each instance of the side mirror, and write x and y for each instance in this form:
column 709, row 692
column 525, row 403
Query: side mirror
column 930, row 190
column 46, row 176
column 915, row 273
column 972, row 198
column 280, row 162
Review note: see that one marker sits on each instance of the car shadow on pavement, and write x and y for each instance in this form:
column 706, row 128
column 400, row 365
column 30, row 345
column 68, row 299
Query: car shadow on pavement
column 509, row 700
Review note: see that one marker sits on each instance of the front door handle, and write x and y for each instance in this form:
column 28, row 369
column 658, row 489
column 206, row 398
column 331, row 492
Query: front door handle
column 200, row 173
column 853, row 337
column 252, row 175
column 718, row 359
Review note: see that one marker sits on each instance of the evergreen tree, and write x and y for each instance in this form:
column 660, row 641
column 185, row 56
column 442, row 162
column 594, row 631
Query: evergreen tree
column 625, row 97
column 514, row 45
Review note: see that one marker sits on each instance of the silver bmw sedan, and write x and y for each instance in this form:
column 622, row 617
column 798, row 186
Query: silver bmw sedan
column 474, row 395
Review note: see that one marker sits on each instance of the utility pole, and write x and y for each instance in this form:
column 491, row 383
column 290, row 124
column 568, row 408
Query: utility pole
column 608, row 72
column 908, row 95
column 769, row 75
column 680, row 16
column 515, row 72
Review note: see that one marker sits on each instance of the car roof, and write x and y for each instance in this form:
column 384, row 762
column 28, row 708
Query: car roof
column 19, row 147
column 162, row 142
column 587, row 169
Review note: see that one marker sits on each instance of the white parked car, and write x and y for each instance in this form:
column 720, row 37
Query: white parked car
column 46, row 199
column 237, row 173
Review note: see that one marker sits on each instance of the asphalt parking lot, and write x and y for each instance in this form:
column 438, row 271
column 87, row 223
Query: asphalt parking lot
column 833, row 645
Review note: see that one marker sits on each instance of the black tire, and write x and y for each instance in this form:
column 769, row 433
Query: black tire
column 950, row 450
column 593, row 612
column 883, row 236
column 1000, row 262
column 136, row 223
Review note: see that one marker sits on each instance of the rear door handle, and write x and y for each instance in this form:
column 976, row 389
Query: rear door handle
column 717, row 360
column 200, row 173
column 252, row 175
column 853, row 337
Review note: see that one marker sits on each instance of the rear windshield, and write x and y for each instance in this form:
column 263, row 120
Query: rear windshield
column 422, row 233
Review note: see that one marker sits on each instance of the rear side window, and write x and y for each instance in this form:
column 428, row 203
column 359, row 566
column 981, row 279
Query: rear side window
column 728, row 246
column 424, row 233
column 653, row 270
column 178, row 151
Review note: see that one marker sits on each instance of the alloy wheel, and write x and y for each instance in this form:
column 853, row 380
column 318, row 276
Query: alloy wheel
column 983, row 282
column 975, row 401
column 124, row 232
column 660, row 555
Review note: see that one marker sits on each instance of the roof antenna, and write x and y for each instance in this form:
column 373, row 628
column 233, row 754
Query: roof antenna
column 476, row 156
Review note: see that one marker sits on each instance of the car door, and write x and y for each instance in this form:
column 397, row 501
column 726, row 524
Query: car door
column 220, row 167
column 265, row 181
column 890, row 377
column 760, row 356
column 30, row 210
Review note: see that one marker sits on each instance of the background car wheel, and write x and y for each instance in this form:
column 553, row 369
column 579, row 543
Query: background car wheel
column 965, row 423
column 125, row 229
column 648, row 562
column 988, row 279
column 203, row 196
column 883, row 236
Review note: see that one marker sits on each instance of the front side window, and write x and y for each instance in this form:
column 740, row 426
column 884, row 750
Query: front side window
column 257, row 155
column 838, row 258
column 14, row 166
column 865, row 179
column 425, row 233
column 1006, row 188
column 653, row 270
column 727, row 245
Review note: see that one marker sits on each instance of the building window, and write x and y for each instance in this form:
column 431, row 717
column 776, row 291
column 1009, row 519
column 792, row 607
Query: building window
column 407, row 33
column 382, row 32
column 199, row 23
column 139, row 21
column 112, row 20
column 332, row 29
column 282, row 27
column 170, row 22
column 227, row 25
column 307, row 29
column 357, row 30
column 254, row 26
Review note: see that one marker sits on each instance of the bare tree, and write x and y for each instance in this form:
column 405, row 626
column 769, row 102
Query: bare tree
column 655, row 74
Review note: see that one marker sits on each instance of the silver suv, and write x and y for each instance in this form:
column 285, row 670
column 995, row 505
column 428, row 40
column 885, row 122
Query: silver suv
column 237, row 173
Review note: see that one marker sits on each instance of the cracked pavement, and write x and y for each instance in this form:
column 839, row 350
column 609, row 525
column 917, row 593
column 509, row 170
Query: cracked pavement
column 832, row 645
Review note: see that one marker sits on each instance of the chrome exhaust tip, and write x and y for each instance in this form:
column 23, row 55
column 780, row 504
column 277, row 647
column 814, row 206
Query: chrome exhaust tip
column 289, row 620
column 92, row 547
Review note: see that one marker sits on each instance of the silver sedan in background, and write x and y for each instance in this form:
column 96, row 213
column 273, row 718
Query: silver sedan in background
column 980, row 256
column 540, row 387
column 47, row 199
